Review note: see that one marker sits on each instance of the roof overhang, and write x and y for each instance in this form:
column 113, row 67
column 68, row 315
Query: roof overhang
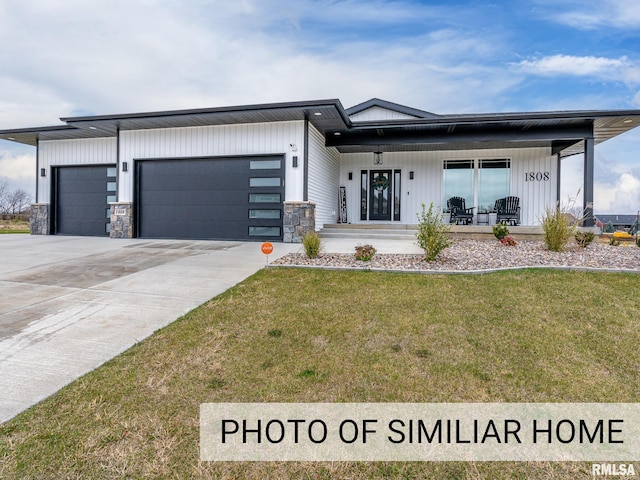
column 561, row 132
column 323, row 114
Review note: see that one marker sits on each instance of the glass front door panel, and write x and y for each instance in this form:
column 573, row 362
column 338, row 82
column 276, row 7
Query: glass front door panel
column 380, row 195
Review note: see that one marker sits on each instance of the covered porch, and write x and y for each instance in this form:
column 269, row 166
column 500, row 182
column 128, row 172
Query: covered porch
column 393, row 159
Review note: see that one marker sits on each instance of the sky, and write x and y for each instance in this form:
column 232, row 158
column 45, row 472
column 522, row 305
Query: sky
column 62, row 58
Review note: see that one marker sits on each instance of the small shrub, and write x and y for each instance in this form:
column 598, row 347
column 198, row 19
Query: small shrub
column 558, row 229
column 276, row 332
column 508, row 240
column 432, row 232
column 614, row 242
column 584, row 238
column 312, row 244
column 365, row 253
column 638, row 241
column 500, row 230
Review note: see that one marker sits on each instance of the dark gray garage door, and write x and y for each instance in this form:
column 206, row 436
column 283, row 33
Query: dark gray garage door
column 80, row 199
column 238, row 198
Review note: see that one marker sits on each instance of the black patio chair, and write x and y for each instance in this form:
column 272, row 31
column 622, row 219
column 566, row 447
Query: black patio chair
column 459, row 212
column 508, row 210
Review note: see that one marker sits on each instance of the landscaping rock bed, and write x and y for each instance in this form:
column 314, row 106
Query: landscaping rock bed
column 481, row 255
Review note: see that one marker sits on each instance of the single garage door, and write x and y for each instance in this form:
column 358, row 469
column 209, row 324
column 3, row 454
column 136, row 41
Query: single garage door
column 230, row 198
column 80, row 199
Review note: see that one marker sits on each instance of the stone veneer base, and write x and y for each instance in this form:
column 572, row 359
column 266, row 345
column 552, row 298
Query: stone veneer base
column 299, row 219
column 121, row 220
column 39, row 223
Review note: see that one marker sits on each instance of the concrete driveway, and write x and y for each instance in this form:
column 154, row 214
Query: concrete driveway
column 69, row 304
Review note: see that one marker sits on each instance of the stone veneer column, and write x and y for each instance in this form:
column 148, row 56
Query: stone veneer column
column 39, row 223
column 121, row 220
column 299, row 218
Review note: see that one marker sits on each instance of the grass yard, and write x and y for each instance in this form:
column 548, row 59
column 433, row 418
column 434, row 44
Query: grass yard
column 293, row 335
column 14, row 226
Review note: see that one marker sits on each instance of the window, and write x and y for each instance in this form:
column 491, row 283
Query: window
column 265, row 164
column 264, row 182
column 264, row 231
column 264, row 214
column 363, row 194
column 458, row 180
column 493, row 182
column 396, row 195
column 264, row 198
column 111, row 171
column 111, row 186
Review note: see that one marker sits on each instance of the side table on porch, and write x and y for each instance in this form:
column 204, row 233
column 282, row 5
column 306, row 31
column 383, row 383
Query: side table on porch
column 483, row 217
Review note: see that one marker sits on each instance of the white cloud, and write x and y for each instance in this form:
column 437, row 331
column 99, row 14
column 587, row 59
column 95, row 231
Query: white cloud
column 621, row 14
column 608, row 69
column 621, row 196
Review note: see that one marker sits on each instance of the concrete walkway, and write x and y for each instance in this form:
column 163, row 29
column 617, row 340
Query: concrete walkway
column 69, row 304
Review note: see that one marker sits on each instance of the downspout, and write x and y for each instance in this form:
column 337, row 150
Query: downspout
column 37, row 167
column 118, row 164
column 305, row 192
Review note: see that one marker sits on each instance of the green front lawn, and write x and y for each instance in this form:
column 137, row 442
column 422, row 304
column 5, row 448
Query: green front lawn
column 289, row 335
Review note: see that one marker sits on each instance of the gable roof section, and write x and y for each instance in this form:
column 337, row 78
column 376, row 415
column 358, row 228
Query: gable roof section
column 376, row 104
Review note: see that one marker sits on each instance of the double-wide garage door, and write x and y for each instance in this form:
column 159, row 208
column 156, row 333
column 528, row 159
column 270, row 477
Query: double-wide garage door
column 238, row 198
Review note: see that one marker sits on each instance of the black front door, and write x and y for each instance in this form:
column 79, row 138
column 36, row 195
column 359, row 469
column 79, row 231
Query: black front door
column 380, row 195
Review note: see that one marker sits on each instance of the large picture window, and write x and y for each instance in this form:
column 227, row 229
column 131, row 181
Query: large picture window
column 493, row 182
column 458, row 180
column 480, row 183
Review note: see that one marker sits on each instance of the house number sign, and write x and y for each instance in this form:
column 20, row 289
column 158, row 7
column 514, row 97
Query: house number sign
column 536, row 176
column 120, row 211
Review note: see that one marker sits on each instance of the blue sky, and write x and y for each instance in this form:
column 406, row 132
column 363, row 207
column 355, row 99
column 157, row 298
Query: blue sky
column 80, row 57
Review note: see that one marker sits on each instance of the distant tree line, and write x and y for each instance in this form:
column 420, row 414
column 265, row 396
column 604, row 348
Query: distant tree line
column 13, row 202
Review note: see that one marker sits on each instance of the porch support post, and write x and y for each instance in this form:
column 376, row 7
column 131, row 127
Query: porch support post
column 588, row 182
column 558, row 178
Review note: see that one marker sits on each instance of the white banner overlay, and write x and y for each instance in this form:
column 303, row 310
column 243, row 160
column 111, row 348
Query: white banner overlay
column 593, row 432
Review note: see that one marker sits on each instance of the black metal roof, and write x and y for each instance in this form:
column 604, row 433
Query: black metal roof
column 323, row 114
column 617, row 219
column 562, row 131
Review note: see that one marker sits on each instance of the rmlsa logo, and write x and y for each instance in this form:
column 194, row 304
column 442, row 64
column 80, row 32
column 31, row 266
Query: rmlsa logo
column 613, row 469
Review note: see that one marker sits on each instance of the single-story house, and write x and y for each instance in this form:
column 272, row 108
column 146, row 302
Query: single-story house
column 618, row 222
column 275, row 171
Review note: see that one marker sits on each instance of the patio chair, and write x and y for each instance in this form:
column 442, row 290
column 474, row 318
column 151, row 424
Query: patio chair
column 508, row 210
column 459, row 213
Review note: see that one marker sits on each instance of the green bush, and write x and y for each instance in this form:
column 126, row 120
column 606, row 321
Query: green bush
column 365, row 253
column 432, row 232
column 614, row 242
column 584, row 238
column 557, row 228
column 312, row 244
column 500, row 230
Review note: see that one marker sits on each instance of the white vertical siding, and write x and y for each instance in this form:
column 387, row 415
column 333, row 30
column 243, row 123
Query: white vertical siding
column 324, row 178
column 209, row 141
column 426, row 187
column 53, row 153
column 379, row 113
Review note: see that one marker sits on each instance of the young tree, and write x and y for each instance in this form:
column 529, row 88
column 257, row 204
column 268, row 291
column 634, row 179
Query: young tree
column 12, row 202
